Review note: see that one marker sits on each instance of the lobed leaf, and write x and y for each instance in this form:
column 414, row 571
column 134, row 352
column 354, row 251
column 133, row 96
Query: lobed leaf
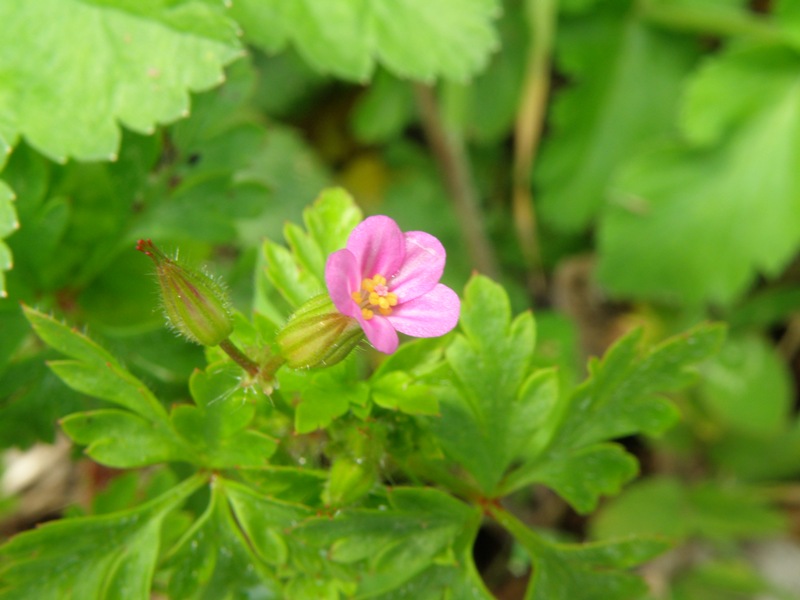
column 419, row 39
column 736, row 187
column 91, row 558
column 141, row 59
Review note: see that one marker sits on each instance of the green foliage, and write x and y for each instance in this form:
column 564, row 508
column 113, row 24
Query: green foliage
column 499, row 413
column 93, row 557
column 450, row 38
column 663, row 141
column 142, row 61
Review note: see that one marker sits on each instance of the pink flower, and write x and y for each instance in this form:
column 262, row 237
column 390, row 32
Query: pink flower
column 389, row 281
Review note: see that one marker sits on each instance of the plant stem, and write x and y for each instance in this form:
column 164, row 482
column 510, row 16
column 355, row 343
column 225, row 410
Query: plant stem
column 448, row 150
column 239, row 357
column 719, row 21
column 531, row 114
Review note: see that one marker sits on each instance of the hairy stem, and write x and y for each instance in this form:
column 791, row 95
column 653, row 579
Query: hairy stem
column 239, row 357
column 448, row 150
column 527, row 134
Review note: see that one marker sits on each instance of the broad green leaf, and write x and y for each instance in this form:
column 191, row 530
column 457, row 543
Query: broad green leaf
column 214, row 558
column 619, row 398
column 384, row 111
column 72, row 71
column 667, row 507
column 625, row 81
column 91, row 558
column 489, row 362
column 290, row 484
column 768, row 456
column 674, row 209
column 419, row 39
column 216, row 425
column 122, row 439
column 395, row 543
column 747, row 387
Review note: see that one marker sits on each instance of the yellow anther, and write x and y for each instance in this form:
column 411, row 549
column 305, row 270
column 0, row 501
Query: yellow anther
column 368, row 285
column 374, row 299
column 367, row 314
column 356, row 296
column 385, row 311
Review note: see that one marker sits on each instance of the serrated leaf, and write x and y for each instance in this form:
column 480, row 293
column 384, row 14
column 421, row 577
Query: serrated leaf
column 618, row 399
column 213, row 559
column 215, row 426
column 123, row 440
column 490, row 362
column 626, row 80
column 99, row 557
column 141, row 61
column 593, row 571
column 675, row 208
column 397, row 542
column 450, row 38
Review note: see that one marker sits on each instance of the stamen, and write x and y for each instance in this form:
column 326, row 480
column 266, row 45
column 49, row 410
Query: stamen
column 377, row 294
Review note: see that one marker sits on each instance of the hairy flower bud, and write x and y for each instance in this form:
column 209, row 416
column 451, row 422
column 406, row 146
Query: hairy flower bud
column 195, row 304
column 318, row 335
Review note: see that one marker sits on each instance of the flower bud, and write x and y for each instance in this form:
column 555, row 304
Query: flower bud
column 318, row 335
column 195, row 305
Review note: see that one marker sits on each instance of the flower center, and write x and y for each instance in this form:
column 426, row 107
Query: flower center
column 374, row 293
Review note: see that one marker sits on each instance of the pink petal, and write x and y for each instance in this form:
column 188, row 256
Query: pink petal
column 378, row 245
column 380, row 334
column 430, row 315
column 343, row 277
column 422, row 267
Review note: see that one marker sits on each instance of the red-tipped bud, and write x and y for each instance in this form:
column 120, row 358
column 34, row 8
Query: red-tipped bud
column 318, row 335
column 195, row 304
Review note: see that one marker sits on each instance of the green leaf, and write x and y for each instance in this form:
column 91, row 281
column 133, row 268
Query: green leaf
column 298, row 275
column 667, row 507
column 107, row 556
column 675, row 208
column 112, row 383
column 489, row 362
column 214, row 559
column 141, row 60
column 8, row 225
column 618, row 399
column 593, row 571
column 216, row 425
column 626, row 80
column 400, row 391
column 747, row 387
column 395, row 543
column 123, row 440
column 451, row 38
column 66, row 340
column 323, row 395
